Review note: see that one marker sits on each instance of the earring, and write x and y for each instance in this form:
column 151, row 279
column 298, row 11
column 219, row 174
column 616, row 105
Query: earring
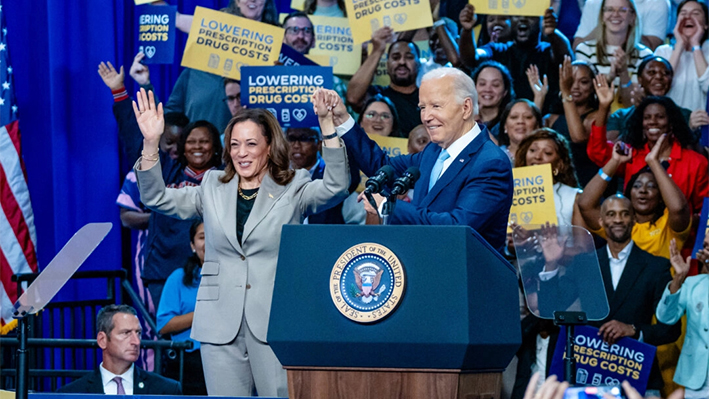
column 556, row 172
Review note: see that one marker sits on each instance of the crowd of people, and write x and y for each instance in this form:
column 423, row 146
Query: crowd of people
column 616, row 109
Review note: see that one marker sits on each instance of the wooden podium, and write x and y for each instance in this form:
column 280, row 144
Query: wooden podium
column 454, row 331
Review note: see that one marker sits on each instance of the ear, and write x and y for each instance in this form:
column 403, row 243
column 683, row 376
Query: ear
column 467, row 108
column 102, row 340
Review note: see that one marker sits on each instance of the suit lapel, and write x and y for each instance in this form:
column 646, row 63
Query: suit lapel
column 139, row 385
column 95, row 382
column 225, row 200
column 268, row 194
column 455, row 167
column 604, row 265
column 631, row 272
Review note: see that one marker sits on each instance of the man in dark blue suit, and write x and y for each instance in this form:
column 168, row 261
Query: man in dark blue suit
column 118, row 337
column 465, row 178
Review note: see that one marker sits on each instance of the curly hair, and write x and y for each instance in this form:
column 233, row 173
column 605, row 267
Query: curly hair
column 677, row 124
column 214, row 160
column 566, row 173
column 504, row 138
column 278, row 161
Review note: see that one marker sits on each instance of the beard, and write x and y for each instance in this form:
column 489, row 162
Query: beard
column 622, row 237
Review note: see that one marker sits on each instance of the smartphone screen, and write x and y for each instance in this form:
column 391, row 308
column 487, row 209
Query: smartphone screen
column 591, row 392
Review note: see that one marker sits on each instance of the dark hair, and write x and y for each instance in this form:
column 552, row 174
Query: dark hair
column 176, row 119
column 417, row 51
column 677, row 124
column 660, row 209
column 296, row 14
column 706, row 16
column 311, row 5
column 278, row 161
column 269, row 16
column 566, row 173
column 311, row 132
column 593, row 99
column 230, row 80
column 192, row 265
column 104, row 319
column 503, row 137
column 213, row 134
column 506, row 79
column 649, row 59
column 395, row 132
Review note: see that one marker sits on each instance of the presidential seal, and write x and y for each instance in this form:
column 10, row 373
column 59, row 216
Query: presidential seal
column 367, row 282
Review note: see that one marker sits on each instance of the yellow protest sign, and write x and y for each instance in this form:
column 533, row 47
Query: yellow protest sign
column 366, row 16
column 221, row 43
column 533, row 199
column 333, row 37
column 393, row 146
column 297, row 5
column 534, row 8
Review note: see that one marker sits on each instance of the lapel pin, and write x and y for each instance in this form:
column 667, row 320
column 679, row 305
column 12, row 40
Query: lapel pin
column 461, row 160
column 141, row 385
column 270, row 195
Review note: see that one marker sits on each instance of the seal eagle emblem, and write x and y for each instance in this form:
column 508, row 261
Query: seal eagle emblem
column 367, row 282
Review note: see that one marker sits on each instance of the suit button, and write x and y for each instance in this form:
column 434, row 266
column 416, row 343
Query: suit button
column 243, row 257
column 248, row 286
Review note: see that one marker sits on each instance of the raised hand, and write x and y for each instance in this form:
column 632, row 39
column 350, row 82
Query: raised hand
column 111, row 78
column 696, row 38
column 381, row 37
column 681, row 40
column 150, row 117
column 552, row 246
column 698, row 118
column 139, row 72
column 320, row 103
column 467, row 17
column 622, row 152
column 550, row 389
column 604, row 93
column 637, row 94
column 550, row 22
column 539, row 88
column 619, row 62
column 657, row 149
column 680, row 265
column 566, row 76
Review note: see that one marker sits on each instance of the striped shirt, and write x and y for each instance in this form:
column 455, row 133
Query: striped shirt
column 586, row 51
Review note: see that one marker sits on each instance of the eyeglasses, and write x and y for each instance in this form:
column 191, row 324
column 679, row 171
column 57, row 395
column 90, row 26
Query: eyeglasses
column 301, row 139
column 294, row 30
column 385, row 116
column 613, row 10
column 233, row 99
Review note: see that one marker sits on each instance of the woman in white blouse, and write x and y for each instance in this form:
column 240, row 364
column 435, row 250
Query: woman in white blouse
column 689, row 56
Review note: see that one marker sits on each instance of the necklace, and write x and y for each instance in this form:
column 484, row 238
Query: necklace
column 247, row 197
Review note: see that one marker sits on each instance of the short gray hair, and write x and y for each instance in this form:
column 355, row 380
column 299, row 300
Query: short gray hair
column 463, row 85
column 104, row 320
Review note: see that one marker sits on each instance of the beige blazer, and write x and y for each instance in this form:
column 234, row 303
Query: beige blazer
column 237, row 280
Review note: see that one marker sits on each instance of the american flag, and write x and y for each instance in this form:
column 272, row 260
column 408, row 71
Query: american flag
column 18, row 238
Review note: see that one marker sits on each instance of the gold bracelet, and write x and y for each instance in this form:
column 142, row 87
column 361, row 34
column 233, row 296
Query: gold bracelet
column 149, row 155
column 150, row 159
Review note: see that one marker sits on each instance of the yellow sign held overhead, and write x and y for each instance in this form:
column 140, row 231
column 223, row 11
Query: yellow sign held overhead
column 298, row 5
column 139, row 2
column 367, row 16
column 533, row 199
column 532, row 8
column 222, row 43
column 333, row 38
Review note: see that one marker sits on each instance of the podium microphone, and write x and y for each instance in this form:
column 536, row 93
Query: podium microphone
column 406, row 181
column 376, row 183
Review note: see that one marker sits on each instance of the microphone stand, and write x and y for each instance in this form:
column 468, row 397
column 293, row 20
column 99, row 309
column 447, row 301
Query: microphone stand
column 388, row 208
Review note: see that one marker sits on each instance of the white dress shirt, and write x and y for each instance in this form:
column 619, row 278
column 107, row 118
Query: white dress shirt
column 111, row 387
column 618, row 264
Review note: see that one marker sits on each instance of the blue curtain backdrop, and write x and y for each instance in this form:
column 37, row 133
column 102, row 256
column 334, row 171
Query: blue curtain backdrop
column 69, row 135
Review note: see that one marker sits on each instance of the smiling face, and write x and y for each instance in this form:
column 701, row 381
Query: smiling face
column 296, row 35
column 656, row 79
column 249, row 153
column 499, row 28
column 618, row 16
column 582, row 89
column 418, row 140
column 378, row 119
column 520, row 122
column 121, row 345
column 655, row 122
column 401, row 64
column 199, row 148
column 691, row 18
column 490, row 87
column 617, row 219
column 443, row 116
column 525, row 30
column 251, row 9
column 645, row 194
column 542, row 152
